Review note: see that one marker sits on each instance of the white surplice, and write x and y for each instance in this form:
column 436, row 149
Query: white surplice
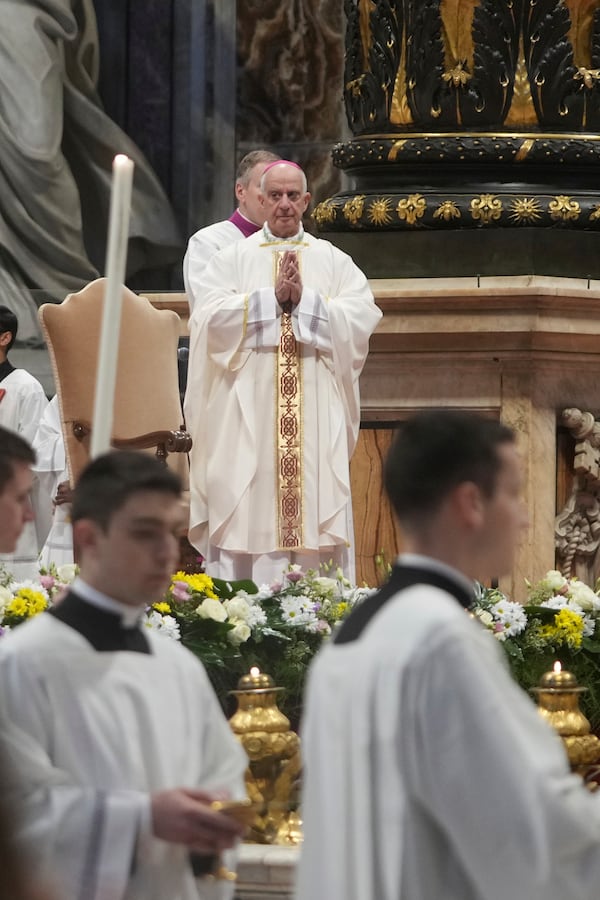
column 92, row 735
column 231, row 407
column 430, row 775
column 201, row 247
column 51, row 470
column 21, row 409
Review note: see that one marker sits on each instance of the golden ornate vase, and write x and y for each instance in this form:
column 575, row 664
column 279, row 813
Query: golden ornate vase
column 273, row 749
column 558, row 702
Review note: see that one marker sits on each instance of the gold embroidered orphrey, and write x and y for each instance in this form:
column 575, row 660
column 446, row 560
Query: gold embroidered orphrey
column 288, row 420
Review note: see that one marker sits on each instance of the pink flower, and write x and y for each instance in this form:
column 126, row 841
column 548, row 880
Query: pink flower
column 47, row 582
column 295, row 574
column 276, row 587
column 181, row 591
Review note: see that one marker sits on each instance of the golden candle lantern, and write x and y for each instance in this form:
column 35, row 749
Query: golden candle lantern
column 273, row 750
column 558, row 702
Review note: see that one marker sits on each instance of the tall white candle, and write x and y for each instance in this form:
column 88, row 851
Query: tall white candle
column 116, row 255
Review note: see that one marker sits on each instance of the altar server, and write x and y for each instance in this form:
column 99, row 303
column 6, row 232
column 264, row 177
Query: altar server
column 22, row 404
column 429, row 774
column 277, row 346
column 117, row 739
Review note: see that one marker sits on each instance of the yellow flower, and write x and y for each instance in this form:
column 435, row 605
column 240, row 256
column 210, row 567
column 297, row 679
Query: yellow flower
column 27, row 602
column 340, row 609
column 201, row 583
column 163, row 608
column 567, row 629
column 17, row 607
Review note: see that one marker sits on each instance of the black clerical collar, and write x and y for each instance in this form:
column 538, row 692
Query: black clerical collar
column 102, row 628
column 403, row 576
column 5, row 369
column 130, row 615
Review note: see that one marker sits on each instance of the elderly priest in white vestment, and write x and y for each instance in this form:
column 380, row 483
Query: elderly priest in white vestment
column 117, row 741
column 278, row 338
column 428, row 773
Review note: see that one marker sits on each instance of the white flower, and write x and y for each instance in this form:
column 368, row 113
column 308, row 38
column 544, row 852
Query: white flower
column 352, row 596
column 510, row 616
column 66, row 573
column 328, row 587
column 30, row 586
column 555, row 581
column 166, row 625
column 584, row 596
column 256, row 615
column 239, row 634
column 485, row 617
column 561, row 601
column 237, row 607
column 298, row 611
column 264, row 592
column 211, row 609
column 5, row 597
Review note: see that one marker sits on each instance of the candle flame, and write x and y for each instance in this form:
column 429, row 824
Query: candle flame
column 254, row 671
column 121, row 159
column 557, row 666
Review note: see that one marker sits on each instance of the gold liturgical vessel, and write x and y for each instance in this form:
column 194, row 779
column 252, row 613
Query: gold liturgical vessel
column 272, row 777
column 558, row 702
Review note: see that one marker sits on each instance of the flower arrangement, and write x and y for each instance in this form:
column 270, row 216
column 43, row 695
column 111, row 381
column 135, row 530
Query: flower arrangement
column 230, row 626
column 20, row 600
column 560, row 620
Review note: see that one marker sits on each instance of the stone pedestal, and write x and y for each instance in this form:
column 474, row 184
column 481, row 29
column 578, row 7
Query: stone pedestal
column 520, row 348
column 266, row 872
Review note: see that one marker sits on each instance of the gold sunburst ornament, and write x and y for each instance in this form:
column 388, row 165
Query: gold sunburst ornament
column 411, row 208
column 563, row 208
column 486, row 208
column 447, row 210
column 353, row 209
column 525, row 210
column 380, row 211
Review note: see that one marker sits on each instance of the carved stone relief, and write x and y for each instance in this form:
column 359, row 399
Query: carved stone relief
column 577, row 527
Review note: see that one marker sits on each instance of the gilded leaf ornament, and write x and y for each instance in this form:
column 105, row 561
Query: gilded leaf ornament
column 411, row 208
column 564, row 208
column 353, row 209
column 486, row 208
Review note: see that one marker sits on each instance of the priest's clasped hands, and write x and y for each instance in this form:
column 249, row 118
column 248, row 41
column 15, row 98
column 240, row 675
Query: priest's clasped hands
column 288, row 286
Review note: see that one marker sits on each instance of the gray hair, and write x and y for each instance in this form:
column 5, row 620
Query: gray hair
column 250, row 160
column 285, row 162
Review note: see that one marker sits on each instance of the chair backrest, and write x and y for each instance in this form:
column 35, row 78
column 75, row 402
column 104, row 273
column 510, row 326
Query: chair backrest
column 146, row 394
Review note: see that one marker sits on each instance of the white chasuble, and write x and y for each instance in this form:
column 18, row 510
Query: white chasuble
column 273, row 405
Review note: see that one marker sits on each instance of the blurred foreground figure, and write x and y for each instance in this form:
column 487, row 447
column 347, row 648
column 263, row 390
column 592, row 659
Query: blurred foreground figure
column 116, row 739
column 429, row 773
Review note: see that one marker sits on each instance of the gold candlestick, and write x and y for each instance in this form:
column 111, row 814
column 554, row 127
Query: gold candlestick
column 558, row 702
column 273, row 751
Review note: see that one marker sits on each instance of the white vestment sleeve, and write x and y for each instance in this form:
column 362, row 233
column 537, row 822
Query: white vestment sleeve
column 489, row 749
column 90, row 834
